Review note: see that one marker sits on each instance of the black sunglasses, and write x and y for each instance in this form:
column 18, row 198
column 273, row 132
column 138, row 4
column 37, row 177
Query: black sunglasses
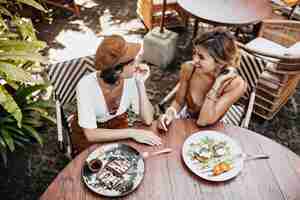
column 120, row 66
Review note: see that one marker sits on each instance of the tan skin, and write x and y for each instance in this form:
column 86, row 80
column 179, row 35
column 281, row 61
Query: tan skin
column 113, row 93
column 207, row 93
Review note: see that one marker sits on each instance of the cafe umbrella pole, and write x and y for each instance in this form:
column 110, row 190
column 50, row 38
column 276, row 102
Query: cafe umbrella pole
column 162, row 21
column 160, row 44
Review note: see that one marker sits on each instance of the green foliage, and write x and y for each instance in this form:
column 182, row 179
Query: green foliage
column 35, row 112
column 21, row 110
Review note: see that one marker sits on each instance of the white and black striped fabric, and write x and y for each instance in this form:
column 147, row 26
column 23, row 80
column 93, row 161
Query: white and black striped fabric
column 250, row 69
column 64, row 76
column 234, row 115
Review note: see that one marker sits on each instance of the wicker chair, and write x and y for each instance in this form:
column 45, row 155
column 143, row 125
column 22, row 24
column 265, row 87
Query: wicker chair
column 150, row 12
column 282, row 73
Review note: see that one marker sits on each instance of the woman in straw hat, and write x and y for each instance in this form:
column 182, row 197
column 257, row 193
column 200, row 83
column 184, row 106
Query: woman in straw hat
column 209, row 84
column 103, row 97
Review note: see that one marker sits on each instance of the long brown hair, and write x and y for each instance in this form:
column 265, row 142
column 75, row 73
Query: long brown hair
column 221, row 45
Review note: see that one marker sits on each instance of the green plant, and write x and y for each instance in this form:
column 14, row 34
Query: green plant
column 19, row 58
column 35, row 111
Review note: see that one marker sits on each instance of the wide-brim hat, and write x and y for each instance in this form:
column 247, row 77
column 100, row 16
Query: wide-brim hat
column 114, row 50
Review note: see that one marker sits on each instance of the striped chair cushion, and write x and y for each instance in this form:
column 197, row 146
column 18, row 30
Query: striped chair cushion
column 234, row 115
column 64, row 76
column 250, row 69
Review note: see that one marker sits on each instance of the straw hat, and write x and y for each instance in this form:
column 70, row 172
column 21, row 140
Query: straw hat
column 114, row 50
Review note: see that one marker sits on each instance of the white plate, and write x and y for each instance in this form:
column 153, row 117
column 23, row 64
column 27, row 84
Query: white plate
column 195, row 167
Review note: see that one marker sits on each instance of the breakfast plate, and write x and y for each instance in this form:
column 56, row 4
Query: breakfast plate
column 212, row 156
column 120, row 170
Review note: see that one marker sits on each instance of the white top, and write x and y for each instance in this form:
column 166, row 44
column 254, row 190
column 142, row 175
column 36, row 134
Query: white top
column 91, row 104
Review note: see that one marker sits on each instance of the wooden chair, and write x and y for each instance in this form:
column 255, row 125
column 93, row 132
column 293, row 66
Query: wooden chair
column 150, row 12
column 282, row 74
column 288, row 7
column 240, row 113
column 64, row 77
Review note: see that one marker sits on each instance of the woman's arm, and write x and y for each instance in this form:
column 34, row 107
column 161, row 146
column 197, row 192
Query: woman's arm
column 106, row 135
column 145, row 107
column 213, row 108
column 185, row 76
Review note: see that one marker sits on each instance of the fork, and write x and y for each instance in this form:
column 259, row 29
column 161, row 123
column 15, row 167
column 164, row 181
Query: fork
column 246, row 157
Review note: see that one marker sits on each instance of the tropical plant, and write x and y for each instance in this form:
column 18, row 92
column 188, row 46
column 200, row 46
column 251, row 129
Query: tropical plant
column 34, row 111
column 19, row 57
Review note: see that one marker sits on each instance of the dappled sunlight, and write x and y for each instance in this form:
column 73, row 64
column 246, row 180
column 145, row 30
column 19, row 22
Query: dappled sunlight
column 84, row 40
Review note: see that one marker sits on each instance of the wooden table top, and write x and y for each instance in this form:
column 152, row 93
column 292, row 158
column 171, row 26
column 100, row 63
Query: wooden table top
column 228, row 12
column 167, row 177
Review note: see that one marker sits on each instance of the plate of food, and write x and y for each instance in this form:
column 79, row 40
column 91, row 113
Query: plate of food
column 212, row 156
column 113, row 170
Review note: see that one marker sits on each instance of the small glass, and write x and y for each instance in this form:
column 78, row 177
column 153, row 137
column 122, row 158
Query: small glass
column 94, row 165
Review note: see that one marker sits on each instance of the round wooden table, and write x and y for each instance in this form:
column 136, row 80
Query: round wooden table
column 167, row 177
column 227, row 12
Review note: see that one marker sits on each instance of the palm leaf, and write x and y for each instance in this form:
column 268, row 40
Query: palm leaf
column 8, row 139
column 4, row 11
column 9, row 104
column 32, row 122
column 14, row 73
column 8, row 35
column 32, row 132
column 20, row 138
column 42, row 104
column 15, row 55
column 14, row 129
column 25, row 28
column 3, row 24
column 7, row 119
column 20, row 144
column 21, row 46
column 33, row 4
column 24, row 92
column 3, row 153
column 2, row 143
column 43, row 113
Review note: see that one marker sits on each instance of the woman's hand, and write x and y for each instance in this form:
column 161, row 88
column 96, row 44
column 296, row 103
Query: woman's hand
column 142, row 72
column 166, row 119
column 145, row 137
column 225, row 76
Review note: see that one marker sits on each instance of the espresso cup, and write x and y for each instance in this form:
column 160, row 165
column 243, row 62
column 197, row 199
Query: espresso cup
column 94, row 165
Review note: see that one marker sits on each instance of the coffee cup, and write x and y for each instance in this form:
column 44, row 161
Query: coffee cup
column 94, row 165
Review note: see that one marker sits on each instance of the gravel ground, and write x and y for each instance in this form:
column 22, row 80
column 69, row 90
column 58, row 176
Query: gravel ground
column 30, row 171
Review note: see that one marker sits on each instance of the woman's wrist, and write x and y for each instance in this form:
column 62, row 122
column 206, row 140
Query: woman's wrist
column 212, row 95
column 130, row 133
column 171, row 111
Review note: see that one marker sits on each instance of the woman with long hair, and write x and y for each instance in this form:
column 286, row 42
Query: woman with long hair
column 209, row 84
